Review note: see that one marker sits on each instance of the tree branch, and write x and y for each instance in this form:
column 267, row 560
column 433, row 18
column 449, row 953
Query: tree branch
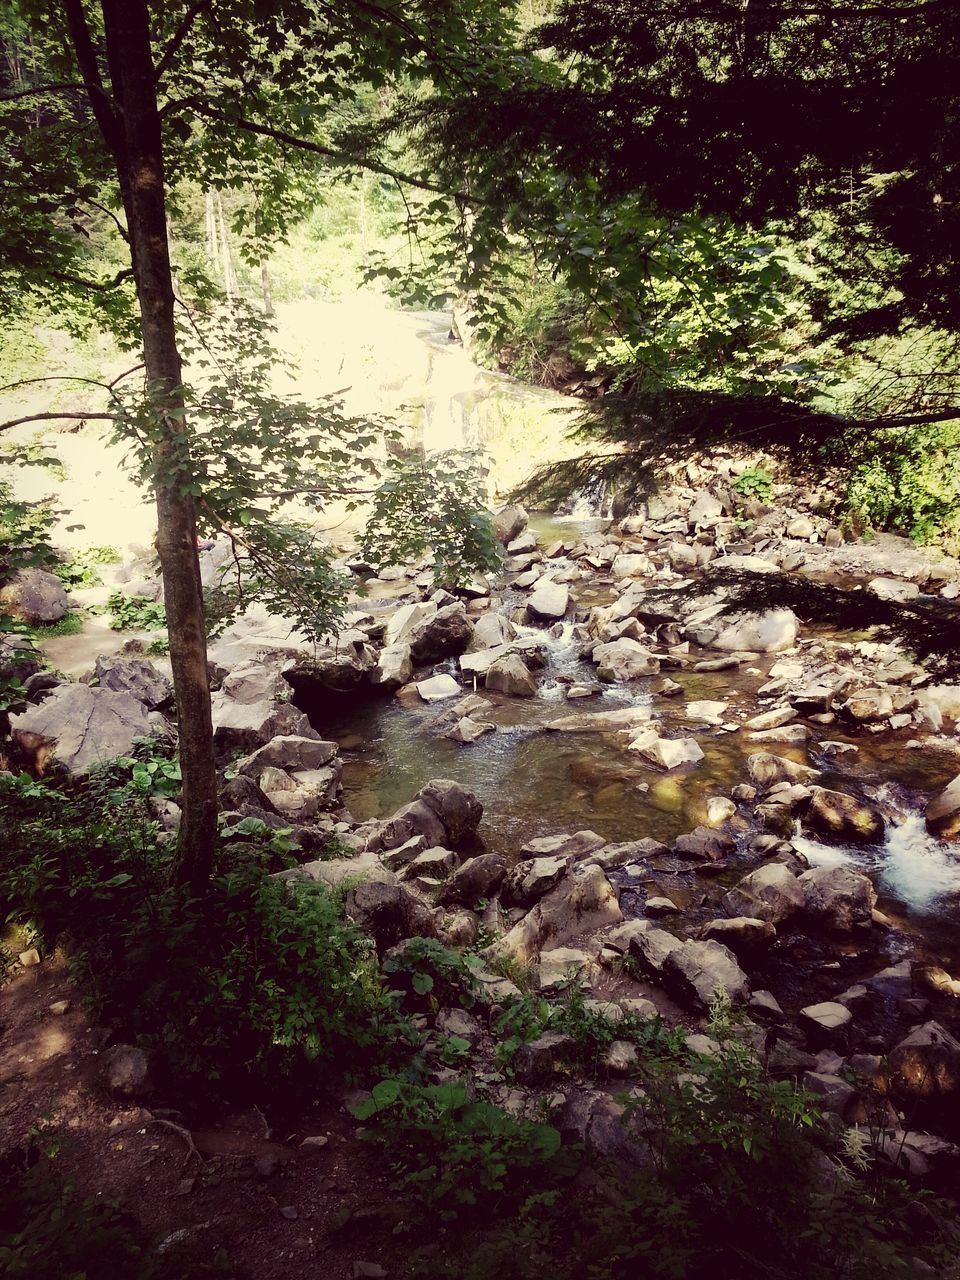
column 315, row 148
column 60, row 86
column 99, row 286
column 54, row 417
column 105, row 112
column 178, row 37
column 125, row 235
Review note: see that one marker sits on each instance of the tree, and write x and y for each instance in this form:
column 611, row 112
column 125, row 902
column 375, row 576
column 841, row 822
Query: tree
column 105, row 110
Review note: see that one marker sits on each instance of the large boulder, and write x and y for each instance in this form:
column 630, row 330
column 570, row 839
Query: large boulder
column 510, row 675
column 445, row 634
column 407, row 619
column 699, row 971
column 624, row 659
column 769, row 632
column 767, row 770
column 80, row 727
column 343, row 669
column 509, row 523
column 135, row 676
column 35, row 597
column 838, row 898
column 943, row 812
column 833, row 815
column 772, row 893
column 490, row 630
column 394, row 667
column 443, row 812
column 474, row 879
column 289, row 752
column 667, row 753
column 581, row 903
column 925, row 1064
column 549, row 601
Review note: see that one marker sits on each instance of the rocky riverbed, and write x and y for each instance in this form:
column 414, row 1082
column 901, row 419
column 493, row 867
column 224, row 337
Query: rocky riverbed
column 712, row 746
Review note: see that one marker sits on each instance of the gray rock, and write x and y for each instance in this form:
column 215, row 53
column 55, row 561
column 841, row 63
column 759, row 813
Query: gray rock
column 510, row 675
column 456, row 806
column 19, row 657
column 509, row 522
column 766, row 770
column 288, row 752
column 826, row 1025
column 549, row 601
column 838, row 898
column 477, row 878
column 697, row 971
column 624, row 659
column 135, row 676
column 35, row 597
column 832, row 1092
column 80, row 727
column 394, row 667
column 666, row 753
column 943, row 812
column 833, row 815
column 768, row 632
column 893, row 589
column 542, row 1058
column 467, row 730
column 925, row 1064
column 490, row 630
column 770, row 893
column 529, row 880
column 446, row 634
column 438, row 688
column 126, row 1071
column 647, row 943
column 742, row 934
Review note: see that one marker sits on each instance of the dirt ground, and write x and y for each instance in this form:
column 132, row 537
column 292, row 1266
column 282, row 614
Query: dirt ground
column 274, row 1207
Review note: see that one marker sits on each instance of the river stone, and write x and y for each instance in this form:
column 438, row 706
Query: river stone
column 766, row 770
column 647, row 943
column 490, row 630
column 769, row 632
column 657, row 907
column 744, row 934
column 35, row 597
column 704, row 844
column 667, row 753
column 526, row 541
column 583, row 902
column 510, row 675
column 394, row 667
column 509, row 522
column 631, row 565
column 773, row 719
column 838, row 898
column 800, row 527
column 476, row 878
column 750, row 563
column 706, row 711
column 698, row 971
column 826, row 1025
column 833, row 815
column 244, row 726
column 467, row 730
column 456, row 806
column 894, row 589
column 600, row 721
column 439, row 687
column 943, row 812
column 80, row 727
column 705, row 509
column 530, row 879
column 135, row 676
column 719, row 809
column 436, row 863
column 771, row 893
column 549, row 601
column 288, row 752
column 446, row 634
column 578, row 845
column 925, row 1064
column 624, row 659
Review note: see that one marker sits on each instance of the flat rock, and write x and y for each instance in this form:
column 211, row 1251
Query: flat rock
column 80, row 727
column 439, row 687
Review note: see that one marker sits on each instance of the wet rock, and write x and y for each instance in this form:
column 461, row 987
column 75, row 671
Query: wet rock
column 35, row 597
column 135, row 676
column 80, row 727
column 719, row 810
column 510, row 675
column 509, row 522
column 704, row 844
column 707, row 711
column 826, row 1025
column 838, row 898
column 404, row 622
column 893, row 589
column 624, row 659
column 667, row 753
column 833, row 815
column 468, row 730
column 697, row 971
column 577, row 845
column 394, row 667
column 490, row 630
column 765, row 770
column 600, row 721
column 771, row 893
column 744, row 935
column 669, row 688
column 794, row 734
column 549, row 601
column 438, row 688
column 477, row 878
column 446, row 634
column 768, row 632
column 126, row 1071
column 925, row 1064
column 943, row 812
column 773, row 719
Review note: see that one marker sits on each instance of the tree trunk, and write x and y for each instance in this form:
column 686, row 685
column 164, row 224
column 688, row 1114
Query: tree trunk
column 137, row 147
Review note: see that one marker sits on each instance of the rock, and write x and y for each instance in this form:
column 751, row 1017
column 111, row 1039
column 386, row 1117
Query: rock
column 461, row 929
column 656, row 907
column 135, row 676
column 772, row 892
column 766, row 770
column 771, row 719
column 765, row 1006
column 549, row 601
column 719, row 809
column 434, row 864
column 800, row 527
column 631, row 565
column 403, row 855
column 563, row 967
column 669, row 688
column 394, row 667
column 832, row 1092
column 768, row 632
column 509, row 522
column 291, row 753
column 529, row 880
column 19, row 657
column 340, row 670
column 925, row 1064
column 437, row 688
column 456, row 806
column 35, row 597
column 943, row 812
column 705, row 509
column 648, row 944
column 826, row 1025
column 490, row 630
column 80, row 727
column 893, row 589
column 577, row 845
column 667, row 753
column 511, row 675
column 704, row 844
column 542, row 1058
column 389, row 912
column 476, row 878
column 699, row 970
column 742, row 934
column 621, row 1058
column 457, row 1022
column 624, row 659
column 794, row 734
column 446, row 634
column 405, row 621
column 838, row 898
column 680, row 555
column 583, row 902
column 706, row 711
column 836, row 816
column 468, row 730
column 30, row 958
column 126, row 1071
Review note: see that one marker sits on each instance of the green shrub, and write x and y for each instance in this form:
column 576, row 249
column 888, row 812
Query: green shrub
column 755, row 482
column 430, row 975
column 135, row 613
column 261, row 983
column 71, row 624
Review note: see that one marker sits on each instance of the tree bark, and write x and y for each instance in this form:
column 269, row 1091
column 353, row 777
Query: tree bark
column 136, row 143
